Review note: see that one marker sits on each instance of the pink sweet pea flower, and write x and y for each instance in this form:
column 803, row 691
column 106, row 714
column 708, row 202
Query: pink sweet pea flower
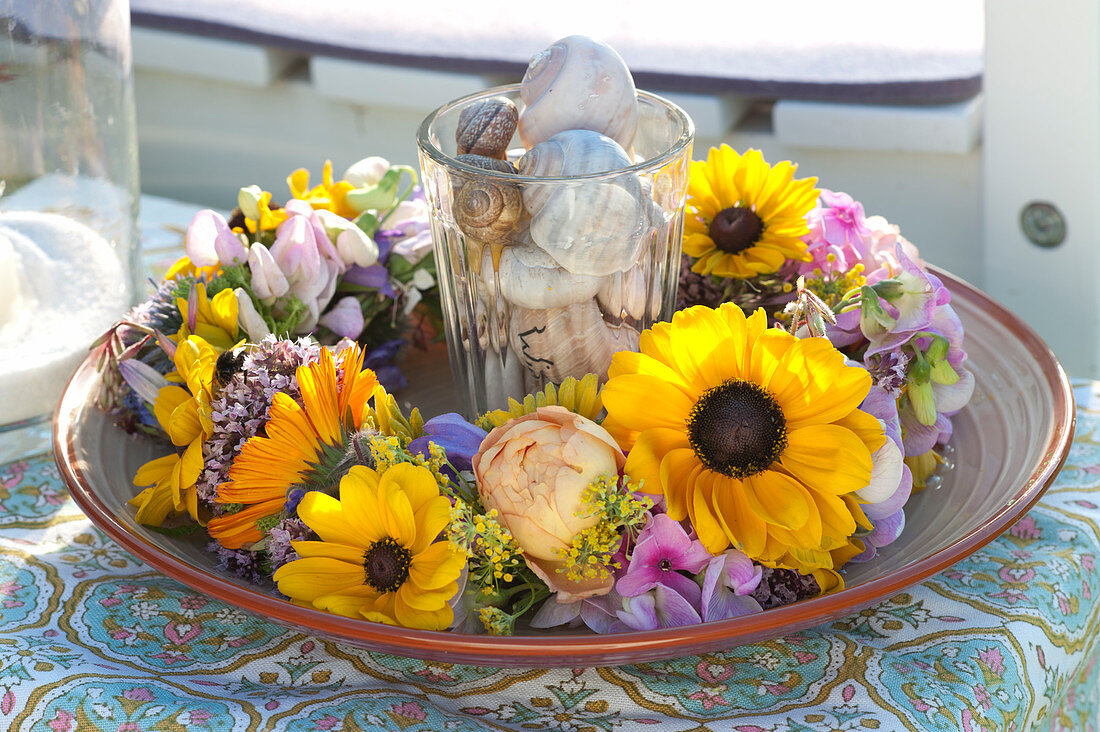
column 661, row 607
column 345, row 319
column 597, row 613
column 662, row 551
column 729, row 580
column 268, row 281
column 210, row 241
column 843, row 223
column 325, row 246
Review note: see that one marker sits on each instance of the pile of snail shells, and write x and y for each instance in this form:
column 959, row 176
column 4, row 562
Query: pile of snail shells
column 564, row 257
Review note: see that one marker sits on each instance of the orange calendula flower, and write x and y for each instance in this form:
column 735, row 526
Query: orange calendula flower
column 745, row 218
column 301, row 446
column 754, row 435
column 330, row 195
column 378, row 557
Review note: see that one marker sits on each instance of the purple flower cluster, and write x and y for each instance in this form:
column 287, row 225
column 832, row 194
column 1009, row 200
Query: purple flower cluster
column 240, row 409
column 279, row 549
column 905, row 333
column 668, row 580
column 245, row 564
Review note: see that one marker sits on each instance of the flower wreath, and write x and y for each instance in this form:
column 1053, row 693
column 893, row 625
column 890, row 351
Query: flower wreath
column 768, row 434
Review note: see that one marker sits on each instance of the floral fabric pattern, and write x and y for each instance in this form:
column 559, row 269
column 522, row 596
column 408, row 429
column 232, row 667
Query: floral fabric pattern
column 91, row 639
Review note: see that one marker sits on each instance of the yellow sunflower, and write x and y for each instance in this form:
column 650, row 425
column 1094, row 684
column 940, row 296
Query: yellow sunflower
column 745, row 217
column 301, row 446
column 330, row 194
column 378, row 557
column 753, row 434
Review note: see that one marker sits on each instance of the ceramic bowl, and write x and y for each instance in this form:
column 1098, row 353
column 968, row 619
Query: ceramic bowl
column 1008, row 443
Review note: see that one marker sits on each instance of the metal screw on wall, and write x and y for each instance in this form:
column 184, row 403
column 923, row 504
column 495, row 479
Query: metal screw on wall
column 1043, row 224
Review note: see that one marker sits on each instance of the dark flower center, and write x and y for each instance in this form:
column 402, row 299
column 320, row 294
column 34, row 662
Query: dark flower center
column 735, row 229
column 737, row 429
column 665, row 565
column 386, row 564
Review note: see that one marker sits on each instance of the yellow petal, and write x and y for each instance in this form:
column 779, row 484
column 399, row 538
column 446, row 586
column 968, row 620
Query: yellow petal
column 312, row 577
column 837, row 522
column 644, row 461
column 742, row 525
column 426, row 600
column 416, row 481
column 324, row 514
column 298, row 182
column 332, row 550
column 359, row 500
column 154, row 504
column 641, row 402
column 768, row 356
column 168, row 399
column 629, row 362
column 184, row 426
column 438, row 565
column 425, row 620
column 778, row 499
column 827, row 459
column 431, row 519
column 397, row 515
column 704, row 348
column 155, row 470
column 676, row 468
column 702, row 513
column 224, row 311
column 345, row 603
column 834, row 391
column 866, row 426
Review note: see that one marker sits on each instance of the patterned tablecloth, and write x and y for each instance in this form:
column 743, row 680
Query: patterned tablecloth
column 92, row 639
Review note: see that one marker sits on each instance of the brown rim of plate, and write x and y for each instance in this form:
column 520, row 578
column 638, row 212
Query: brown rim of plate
column 561, row 650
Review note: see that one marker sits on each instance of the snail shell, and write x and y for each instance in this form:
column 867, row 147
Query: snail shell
column 591, row 227
column 487, row 127
column 529, row 277
column 578, row 83
column 487, row 163
column 487, row 209
column 624, row 295
column 571, row 341
column 503, row 378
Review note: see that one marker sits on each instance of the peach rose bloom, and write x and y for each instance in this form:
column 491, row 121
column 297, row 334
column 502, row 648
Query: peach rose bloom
column 534, row 471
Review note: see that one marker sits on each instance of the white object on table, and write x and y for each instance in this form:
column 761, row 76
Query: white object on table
column 71, row 287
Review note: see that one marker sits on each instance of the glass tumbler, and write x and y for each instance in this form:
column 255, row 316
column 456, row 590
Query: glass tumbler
column 68, row 212
column 572, row 268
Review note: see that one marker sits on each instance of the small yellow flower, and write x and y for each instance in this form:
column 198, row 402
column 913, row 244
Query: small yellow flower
column 212, row 318
column 745, row 217
column 184, row 415
column 330, row 195
column 377, row 557
column 269, row 218
column 184, row 267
